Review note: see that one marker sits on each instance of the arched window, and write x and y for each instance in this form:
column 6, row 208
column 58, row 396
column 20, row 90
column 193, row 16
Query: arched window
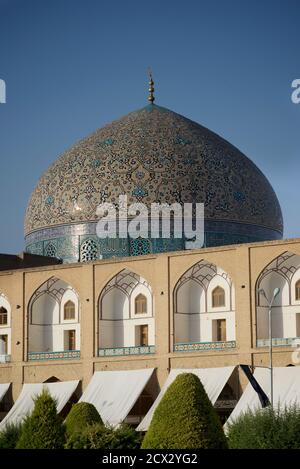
column 297, row 290
column 218, row 297
column 3, row 316
column 140, row 246
column 69, row 310
column 140, row 304
column 50, row 250
column 88, row 251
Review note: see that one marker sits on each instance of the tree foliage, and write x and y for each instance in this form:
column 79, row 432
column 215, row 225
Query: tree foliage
column 266, row 429
column 81, row 415
column 10, row 436
column 97, row 436
column 185, row 418
column 43, row 428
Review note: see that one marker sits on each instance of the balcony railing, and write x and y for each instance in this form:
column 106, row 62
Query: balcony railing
column 203, row 346
column 4, row 358
column 279, row 342
column 65, row 355
column 126, row 351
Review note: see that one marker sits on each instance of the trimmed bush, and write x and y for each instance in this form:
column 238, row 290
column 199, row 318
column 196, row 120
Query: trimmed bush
column 43, row 429
column 266, row 429
column 185, row 418
column 80, row 416
column 97, row 436
column 10, row 436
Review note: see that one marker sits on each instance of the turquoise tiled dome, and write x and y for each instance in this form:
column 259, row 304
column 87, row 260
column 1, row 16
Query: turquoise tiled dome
column 152, row 155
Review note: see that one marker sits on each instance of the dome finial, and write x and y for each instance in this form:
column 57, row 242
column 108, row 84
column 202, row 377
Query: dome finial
column 151, row 87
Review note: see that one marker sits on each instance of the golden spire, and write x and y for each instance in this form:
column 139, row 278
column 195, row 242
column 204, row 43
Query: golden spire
column 151, row 88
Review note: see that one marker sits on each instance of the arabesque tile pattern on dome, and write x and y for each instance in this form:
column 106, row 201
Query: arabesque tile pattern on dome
column 154, row 155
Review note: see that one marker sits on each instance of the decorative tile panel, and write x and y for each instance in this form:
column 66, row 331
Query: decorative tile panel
column 65, row 355
column 279, row 342
column 125, row 351
column 204, row 346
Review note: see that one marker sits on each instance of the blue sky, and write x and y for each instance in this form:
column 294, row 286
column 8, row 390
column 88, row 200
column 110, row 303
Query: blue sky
column 73, row 65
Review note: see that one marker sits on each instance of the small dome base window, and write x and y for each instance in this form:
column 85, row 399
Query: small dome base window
column 89, row 251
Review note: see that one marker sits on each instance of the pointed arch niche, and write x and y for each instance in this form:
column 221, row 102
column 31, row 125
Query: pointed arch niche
column 53, row 334
column 204, row 309
column 126, row 316
column 5, row 329
column 284, row 273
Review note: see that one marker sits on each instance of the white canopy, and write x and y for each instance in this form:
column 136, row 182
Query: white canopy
column 114, row 393
column 3, row 390
column 213, row 380
column 61, row 391
column 286, row 385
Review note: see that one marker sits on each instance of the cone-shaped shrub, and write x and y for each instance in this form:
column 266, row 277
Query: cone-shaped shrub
column 185, row 418
column 80, row 416
column 43, row 429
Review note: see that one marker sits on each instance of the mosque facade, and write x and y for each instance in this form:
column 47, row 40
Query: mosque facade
column 74, row 304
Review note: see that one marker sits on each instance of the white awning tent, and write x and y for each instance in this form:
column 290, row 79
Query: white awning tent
column 114, row 393
column 286, row 386
column 3, row 390
column 60, row 391
column 213, row 380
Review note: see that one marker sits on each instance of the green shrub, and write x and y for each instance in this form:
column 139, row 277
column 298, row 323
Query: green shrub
column 125, row 437
column 43, row 429
column 185, row 418
column 266, row 429
column 97, row 436
column 81, row 415
column 10, row 435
